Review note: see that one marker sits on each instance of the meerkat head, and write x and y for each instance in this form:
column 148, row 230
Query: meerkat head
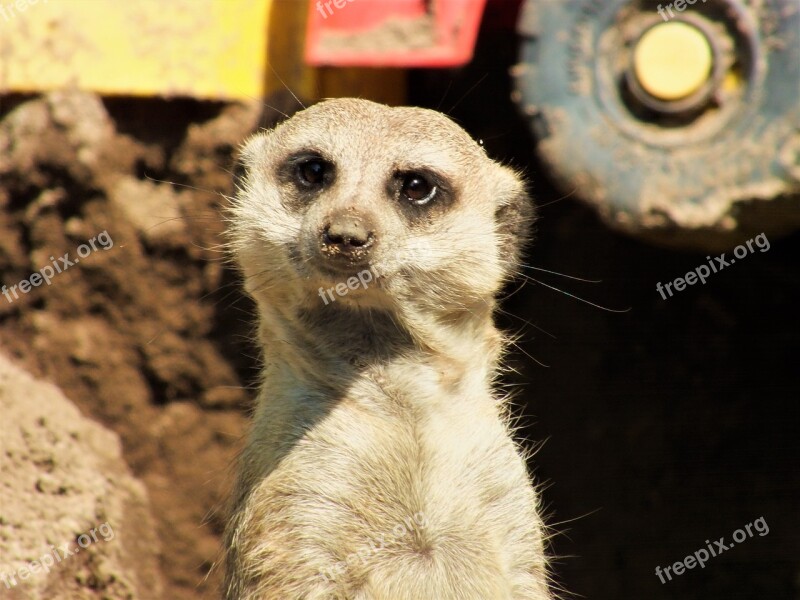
column 377, row 207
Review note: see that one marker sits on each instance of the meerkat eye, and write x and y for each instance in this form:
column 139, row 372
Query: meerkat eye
column 417, row 189
column 312, row 172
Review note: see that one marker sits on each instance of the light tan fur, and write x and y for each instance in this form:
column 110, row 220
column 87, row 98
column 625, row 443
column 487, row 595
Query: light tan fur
column 378, row 433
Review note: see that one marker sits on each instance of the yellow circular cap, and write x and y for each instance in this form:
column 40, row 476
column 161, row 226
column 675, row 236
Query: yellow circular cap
column 672, row 60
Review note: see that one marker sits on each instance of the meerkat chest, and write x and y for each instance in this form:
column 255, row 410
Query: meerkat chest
column 380, row 459
column 413, row 443
column 394, row 481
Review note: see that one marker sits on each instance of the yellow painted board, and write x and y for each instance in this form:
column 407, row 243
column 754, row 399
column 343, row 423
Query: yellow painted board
column 214, row 49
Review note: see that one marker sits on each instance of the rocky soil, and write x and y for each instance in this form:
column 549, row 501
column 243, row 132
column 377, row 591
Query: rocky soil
column 74, row 523
column 131, row 332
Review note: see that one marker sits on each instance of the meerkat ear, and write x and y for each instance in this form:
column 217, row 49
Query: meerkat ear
column 514, row 217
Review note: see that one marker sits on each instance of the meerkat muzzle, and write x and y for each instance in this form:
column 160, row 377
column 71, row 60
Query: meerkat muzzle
column 347, row 238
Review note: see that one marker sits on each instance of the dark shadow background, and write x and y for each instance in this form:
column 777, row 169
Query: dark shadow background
column 665, row 426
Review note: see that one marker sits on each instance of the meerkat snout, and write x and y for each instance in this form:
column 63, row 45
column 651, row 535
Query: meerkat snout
column 347, row 237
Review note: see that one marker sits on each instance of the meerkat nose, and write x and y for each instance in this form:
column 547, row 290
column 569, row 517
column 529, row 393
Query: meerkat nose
column 349, row 236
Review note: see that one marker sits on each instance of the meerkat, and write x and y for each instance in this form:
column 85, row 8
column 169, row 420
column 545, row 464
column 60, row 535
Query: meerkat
column 381, row 463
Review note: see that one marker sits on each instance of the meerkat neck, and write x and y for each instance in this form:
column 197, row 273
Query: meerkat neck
column 329, row 346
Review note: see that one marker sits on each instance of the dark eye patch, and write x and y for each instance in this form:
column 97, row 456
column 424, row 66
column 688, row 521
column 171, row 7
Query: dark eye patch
column 312, row 172
column 420, row 191
column 309, row 171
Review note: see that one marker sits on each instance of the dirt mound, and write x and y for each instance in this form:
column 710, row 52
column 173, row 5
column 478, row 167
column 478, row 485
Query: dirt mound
column 104, row 251
column 73, row 523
